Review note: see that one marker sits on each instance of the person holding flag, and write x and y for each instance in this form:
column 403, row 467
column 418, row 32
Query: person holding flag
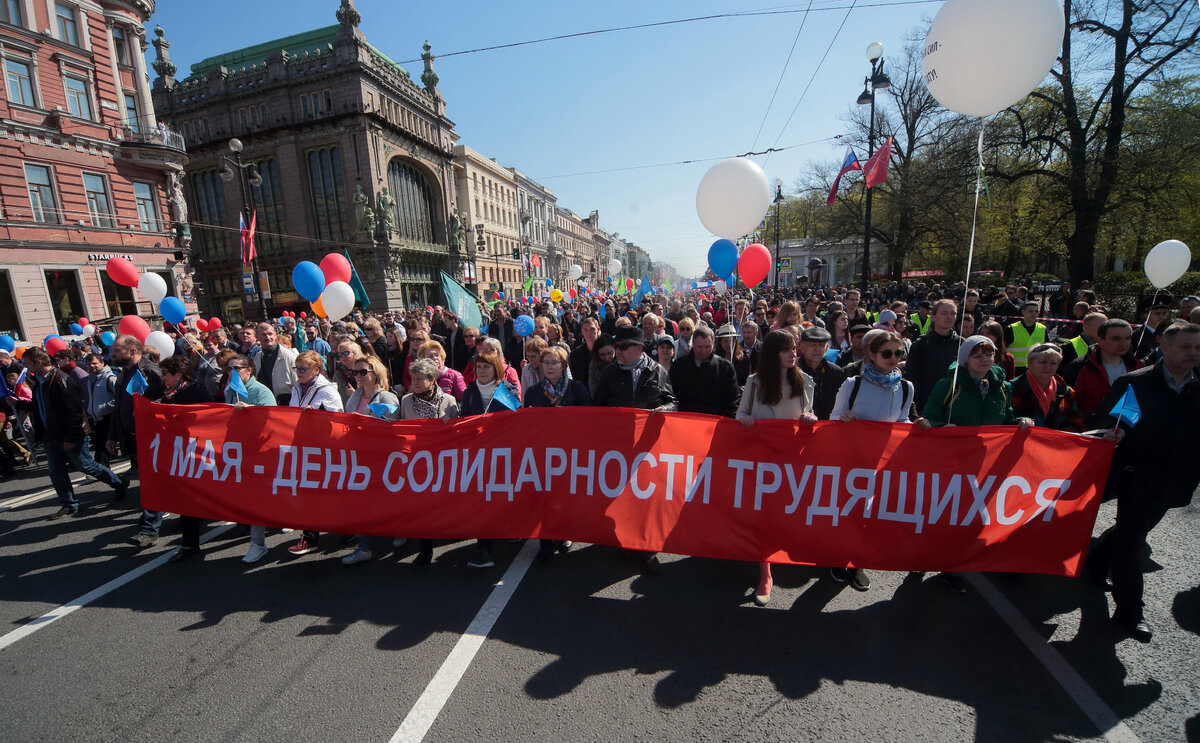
column 243, row 391
column 139, row 376
column 1152, row 412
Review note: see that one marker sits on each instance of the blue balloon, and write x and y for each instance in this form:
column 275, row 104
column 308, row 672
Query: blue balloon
column 695, row 284
column 76, row 329
column 308, row 280
column 549, row 282
column 731, row 281
column 500, row 295
column 7, row 343
column 723, row 257
column 172, row 309
column 107, row 337
column 523, row 325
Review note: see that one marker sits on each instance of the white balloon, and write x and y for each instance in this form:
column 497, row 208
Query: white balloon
column 89, row 330
column 152, row 287
column 614, row 267
column 733, row 197
column 984, row 56
column 161, row 341
column 1166, row 262
column 576, row 271
column 337, row 299
column 721, row 286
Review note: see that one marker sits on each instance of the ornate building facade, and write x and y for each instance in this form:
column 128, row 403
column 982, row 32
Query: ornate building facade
column 337, row 148
column 487, row 198
column 85, row 170
column 535, row 205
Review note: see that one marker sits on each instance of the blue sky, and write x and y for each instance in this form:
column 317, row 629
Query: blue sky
column 688, row 91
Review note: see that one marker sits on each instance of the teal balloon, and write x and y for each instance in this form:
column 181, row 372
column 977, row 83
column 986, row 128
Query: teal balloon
column 7, row 343
column 107, row 337
column 173, row 310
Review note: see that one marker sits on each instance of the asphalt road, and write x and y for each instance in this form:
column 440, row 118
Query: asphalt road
column 586, row 648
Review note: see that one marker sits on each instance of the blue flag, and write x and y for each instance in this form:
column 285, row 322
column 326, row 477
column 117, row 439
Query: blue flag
column 643, row 289
column 464, row 303
column 4, row 391
column 237, row 385
column 360, row 291
column 382, row 409
column 603, row 311
column 505, row 397
column 137, row 384
column 1127, row 410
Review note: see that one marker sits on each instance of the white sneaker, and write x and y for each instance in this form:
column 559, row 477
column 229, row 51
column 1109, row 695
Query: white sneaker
column 399, row 541
column 255, row 553
column 355, row 557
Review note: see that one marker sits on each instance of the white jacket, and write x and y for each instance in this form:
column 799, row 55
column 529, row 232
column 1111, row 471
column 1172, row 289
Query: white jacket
column 283, row 374
column 323, row 395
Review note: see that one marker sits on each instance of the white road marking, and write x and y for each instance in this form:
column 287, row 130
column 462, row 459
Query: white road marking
column 423, row 714
column 40, row 494
column 49, row 618
column 1101, row 715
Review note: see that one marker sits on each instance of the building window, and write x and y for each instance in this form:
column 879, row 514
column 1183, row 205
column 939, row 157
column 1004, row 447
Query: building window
column 118, row 299
column 147, row 205
column 10, row 12
column 209, row 205
column 99, row 205
column 268, row 202
column 78, row 102
column 120, row 45
column 131, row 114
column 68, row 28
column 414, row 201
column 41, row 194
column 66, row 302
column 20, row 82
column 325, row 184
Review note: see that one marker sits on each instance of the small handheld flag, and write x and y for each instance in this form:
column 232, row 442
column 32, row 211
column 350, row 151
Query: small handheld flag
column 505, row 397
column 382, row 409
column 237, row 385
column 137, row 384
column 1127, row 410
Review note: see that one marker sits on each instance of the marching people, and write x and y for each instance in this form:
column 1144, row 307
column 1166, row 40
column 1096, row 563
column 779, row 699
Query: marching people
column 778, row 390
column 1024, row 334
column 1044, row 397
column 275, row 365
column 729, row 347
column 702, row 381
column 931, row 354
column 242, row 391
column 666, row 352
column 604, row 352
column 827, row 377
column 449, row 380
column 127, row 352
column 180, row 388
column 1154, row 468
column 1093, row 375
column 101, row 400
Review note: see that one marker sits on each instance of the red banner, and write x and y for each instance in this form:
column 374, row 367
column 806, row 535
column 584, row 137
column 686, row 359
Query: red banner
column 871, row 495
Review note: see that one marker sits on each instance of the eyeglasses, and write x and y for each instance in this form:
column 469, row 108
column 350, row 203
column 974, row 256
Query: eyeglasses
column 344, row 353
column 361, row 372
column 888, row 353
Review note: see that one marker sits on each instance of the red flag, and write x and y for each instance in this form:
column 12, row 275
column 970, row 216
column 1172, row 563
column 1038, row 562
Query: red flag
column 536, row 261
column 251, row 253
column 876, row 169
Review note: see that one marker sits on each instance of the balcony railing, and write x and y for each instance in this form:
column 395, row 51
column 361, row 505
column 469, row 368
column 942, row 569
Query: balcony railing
column 157, row 136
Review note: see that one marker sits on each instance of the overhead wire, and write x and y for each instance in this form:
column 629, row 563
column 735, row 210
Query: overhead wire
column 782, row 73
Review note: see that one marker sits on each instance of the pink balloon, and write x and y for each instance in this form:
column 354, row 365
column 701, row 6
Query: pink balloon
column 54, row 345
column 122, row 271
column 336, row 268
column 754, row 264
column 135, row 326
column 214, row 323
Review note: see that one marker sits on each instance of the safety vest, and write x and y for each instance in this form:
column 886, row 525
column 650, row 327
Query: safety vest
column 1080, row 345
column 922, row 328
column 1023, row 340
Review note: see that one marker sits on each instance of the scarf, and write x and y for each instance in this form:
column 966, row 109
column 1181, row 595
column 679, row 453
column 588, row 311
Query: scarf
column 555, row 391
column 890, row 381
column 485, row 392
column 636, row 368
column 1044, row 397
column 426, row 405
column 169, row 395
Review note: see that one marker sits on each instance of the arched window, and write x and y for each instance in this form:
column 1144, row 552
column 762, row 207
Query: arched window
column 414, row 201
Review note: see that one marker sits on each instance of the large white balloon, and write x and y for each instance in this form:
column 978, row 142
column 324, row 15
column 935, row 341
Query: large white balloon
column 614, row 267
column 161, row 341
column 89, row 330
column 982, row 56
column 1166, row 262
column 152, row 287
column 733, row 198
column 337, row 299
column 575, row 272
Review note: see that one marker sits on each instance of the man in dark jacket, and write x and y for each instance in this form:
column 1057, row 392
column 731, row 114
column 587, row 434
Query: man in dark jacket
column 827, row 378
column 634, row 380
column 703, row 382
column 931, row 354
column 127, row 354
column 1155, row 466
column 57, row 413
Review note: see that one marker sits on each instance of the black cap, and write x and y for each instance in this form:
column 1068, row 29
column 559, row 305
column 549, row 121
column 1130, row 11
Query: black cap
column 925, row 303
column 1162, row 301
column 815, row 335
column 629, row 334
column 859, row 329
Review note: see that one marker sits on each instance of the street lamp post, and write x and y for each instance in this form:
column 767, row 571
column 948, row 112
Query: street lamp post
column 481, row 247
column 248, row 178
column 778, row 247
column 877, row 81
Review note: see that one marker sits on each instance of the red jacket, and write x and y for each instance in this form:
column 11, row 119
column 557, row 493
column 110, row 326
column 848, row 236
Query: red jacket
column 1092, row 385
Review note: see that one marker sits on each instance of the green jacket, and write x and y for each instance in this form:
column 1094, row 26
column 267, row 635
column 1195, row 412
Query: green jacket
column 259, row 394
column 968, row 408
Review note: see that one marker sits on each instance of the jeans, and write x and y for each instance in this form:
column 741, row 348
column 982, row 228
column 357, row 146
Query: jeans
column 81, row 458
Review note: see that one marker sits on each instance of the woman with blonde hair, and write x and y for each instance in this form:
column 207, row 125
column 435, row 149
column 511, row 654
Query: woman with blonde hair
column 372, row 378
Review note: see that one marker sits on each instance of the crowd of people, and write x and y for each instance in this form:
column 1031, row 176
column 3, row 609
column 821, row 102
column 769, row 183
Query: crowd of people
column 929, row 356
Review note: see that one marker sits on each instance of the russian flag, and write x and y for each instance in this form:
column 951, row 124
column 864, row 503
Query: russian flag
column 849, row 162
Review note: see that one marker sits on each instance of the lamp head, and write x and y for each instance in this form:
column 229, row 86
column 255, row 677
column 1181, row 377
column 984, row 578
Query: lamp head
column 874, row 51
column 235, row 145
column 226, row 172
column 865, row 97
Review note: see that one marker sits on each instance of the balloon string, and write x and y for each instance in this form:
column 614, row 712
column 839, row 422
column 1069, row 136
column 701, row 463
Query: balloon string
column 970, row 257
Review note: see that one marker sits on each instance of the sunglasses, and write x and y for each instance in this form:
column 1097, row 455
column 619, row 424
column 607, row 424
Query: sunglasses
column 302, row 368
column 344, row 353
column 361, row 372
column 888, row 353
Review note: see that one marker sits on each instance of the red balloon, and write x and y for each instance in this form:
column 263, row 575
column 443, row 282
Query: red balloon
column 336, row 268
column 572, row 293
column 135, row 326
column 754, row 264
column 84, row 322
column 303, row 315
column 214, row 323
column 629, row 284
column 122, row 271
column 54, row 345
column 202, row 325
